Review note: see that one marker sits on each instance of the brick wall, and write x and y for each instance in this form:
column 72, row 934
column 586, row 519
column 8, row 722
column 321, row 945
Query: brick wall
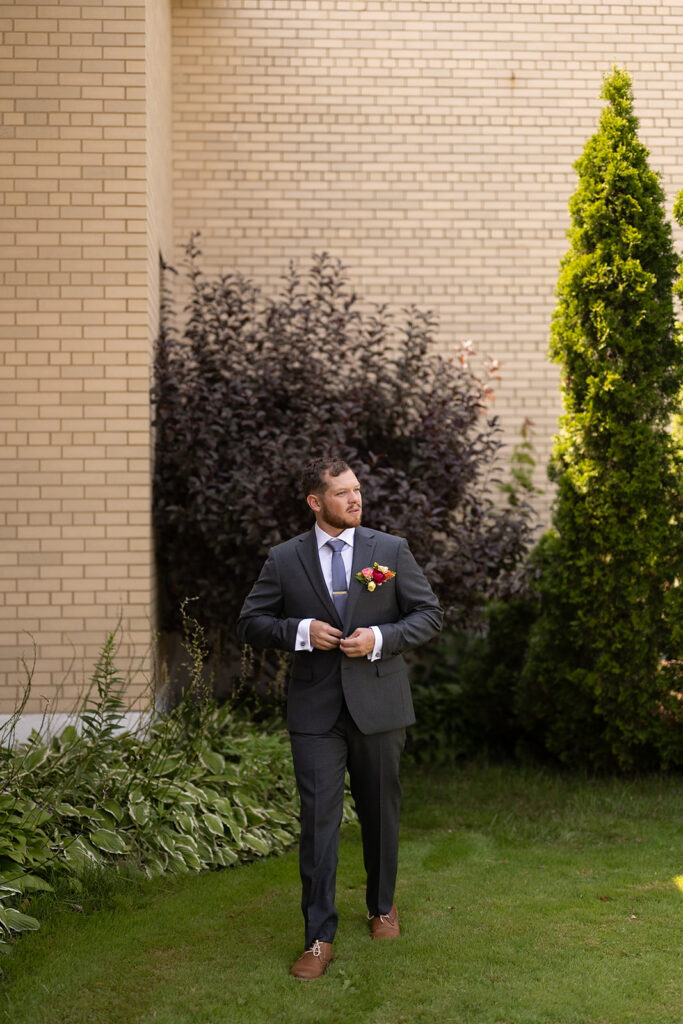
column 428, row 144
column 75, row 480
column 159, row 155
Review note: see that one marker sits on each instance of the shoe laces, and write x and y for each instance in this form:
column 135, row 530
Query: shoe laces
column 315, row 949
column 387, row 918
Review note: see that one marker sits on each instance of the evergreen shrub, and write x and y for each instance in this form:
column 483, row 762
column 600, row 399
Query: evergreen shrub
column 464, row 690
column 596, row 684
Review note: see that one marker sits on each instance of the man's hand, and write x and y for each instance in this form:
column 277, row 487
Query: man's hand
column 324, row 636
column 359, row 644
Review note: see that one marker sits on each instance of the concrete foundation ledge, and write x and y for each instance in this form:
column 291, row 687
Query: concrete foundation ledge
column 50, row 725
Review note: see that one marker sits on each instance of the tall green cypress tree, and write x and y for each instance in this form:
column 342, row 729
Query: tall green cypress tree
column 593, row 682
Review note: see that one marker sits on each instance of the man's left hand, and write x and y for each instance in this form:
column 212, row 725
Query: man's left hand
column 359, row 644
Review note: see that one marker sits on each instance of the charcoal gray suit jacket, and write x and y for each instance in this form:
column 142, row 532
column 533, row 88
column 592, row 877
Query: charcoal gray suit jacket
column 291, row 587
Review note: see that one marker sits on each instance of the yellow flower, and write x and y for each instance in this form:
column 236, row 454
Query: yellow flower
column 382, row 568
column 371, row 585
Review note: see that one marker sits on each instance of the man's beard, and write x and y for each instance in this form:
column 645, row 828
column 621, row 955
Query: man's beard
column 339, row 522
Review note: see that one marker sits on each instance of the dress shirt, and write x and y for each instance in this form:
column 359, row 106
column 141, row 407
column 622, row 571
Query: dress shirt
column 303, row 636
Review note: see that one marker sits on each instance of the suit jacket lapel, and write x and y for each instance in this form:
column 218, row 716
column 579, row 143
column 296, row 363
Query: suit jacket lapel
column 363, row 550
column 310, row 559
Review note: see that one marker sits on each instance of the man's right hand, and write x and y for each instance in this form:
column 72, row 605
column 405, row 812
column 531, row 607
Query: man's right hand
column 324, row 636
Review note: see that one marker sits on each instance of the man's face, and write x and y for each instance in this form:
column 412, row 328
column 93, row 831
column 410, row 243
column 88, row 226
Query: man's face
column 340, row 505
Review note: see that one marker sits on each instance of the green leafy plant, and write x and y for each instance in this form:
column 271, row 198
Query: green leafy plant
column 101, row 716
column 197, row 789
column 464, row 690
column 594, row 684
column 11, row 919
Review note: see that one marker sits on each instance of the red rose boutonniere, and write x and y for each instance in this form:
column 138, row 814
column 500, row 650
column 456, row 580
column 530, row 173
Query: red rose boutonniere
column 374, row 576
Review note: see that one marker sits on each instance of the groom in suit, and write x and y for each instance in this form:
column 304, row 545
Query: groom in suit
column 349, row 699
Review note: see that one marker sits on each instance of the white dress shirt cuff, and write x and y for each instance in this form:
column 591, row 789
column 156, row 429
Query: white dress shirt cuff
column 303, row 639
column 303, row 636
column 376, row 653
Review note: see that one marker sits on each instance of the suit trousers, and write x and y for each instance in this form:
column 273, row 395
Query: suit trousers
column 320, row 763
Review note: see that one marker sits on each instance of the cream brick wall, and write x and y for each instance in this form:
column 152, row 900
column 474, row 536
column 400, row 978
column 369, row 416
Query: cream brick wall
column 159, row 155
column 75, row 476
column 428, row 144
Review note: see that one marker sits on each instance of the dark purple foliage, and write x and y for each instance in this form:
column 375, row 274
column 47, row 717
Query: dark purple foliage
column 254, row 386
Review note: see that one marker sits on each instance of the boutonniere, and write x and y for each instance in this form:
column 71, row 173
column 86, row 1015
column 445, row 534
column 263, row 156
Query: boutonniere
column 374, row 576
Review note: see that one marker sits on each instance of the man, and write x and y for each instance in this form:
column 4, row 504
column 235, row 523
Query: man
column 348, row 601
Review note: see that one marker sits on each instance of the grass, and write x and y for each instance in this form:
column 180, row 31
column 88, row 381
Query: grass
column 525, row 898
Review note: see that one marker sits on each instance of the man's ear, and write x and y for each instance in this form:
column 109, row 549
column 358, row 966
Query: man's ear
column 314, row 502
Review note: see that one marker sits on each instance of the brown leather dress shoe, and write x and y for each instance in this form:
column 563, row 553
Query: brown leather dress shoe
column 385, row 926
column 313, row 962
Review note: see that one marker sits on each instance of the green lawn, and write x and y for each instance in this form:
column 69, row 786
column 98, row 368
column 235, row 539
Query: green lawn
column 525, row 898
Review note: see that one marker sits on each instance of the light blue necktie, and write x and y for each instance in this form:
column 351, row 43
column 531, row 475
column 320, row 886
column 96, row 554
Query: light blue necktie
column 339, row 584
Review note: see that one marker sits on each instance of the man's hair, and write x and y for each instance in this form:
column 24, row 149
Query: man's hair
column 312, row 481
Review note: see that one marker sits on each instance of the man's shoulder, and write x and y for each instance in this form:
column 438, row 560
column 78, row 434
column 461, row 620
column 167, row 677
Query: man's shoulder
column 286, row 547
column 391, row 541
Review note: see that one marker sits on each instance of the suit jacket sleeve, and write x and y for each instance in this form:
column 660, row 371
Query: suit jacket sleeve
column 421, row 614
column 260, row 623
